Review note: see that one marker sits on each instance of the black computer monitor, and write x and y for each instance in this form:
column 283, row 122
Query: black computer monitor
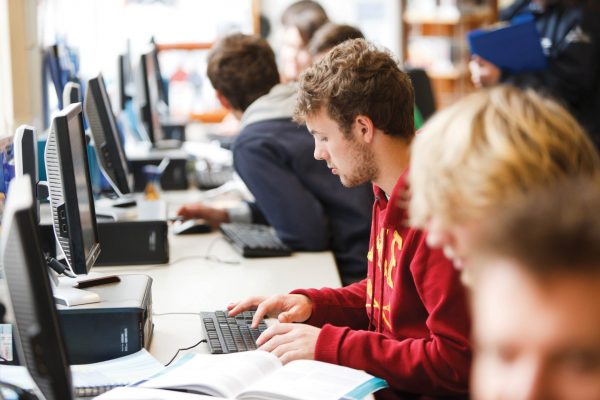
column 163, row 94
column 125, row 80
column 26, row 162
column 40, row 343
column 106, row 137
column 71, row 201
column 150, row 104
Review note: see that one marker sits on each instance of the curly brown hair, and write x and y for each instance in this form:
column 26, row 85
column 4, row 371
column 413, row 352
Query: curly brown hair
column 242, row 68
column 355, row 78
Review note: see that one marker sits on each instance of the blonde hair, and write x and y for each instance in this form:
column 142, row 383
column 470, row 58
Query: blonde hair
column 474, row 155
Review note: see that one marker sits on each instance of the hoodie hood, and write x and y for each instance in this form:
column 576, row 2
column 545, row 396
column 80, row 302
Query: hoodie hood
column 277, row 104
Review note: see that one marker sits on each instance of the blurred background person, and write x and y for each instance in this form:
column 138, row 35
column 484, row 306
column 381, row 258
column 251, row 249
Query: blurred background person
column 570, row 38
column 300, row 22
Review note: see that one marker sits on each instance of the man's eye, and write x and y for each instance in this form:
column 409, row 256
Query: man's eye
column 323, row 139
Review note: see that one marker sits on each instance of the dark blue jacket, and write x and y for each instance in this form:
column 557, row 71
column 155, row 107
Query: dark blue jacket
column 570, row 37
column 299, row 196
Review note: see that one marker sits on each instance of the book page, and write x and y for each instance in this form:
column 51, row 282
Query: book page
column 218, row 375
column 304, row 379
column 128, row 393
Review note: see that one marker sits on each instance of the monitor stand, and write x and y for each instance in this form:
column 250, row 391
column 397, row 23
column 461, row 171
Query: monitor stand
column 67, row 295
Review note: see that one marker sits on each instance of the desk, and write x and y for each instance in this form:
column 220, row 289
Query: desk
column 191, row 283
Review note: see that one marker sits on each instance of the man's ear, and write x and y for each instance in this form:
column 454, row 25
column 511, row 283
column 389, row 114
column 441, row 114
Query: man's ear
column 223, row 100
column 364, row 128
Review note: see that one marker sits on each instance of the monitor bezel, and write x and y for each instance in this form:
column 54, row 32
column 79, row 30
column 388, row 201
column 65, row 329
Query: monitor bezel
column 105, row 134
column 149, row 106
column 73, row 245
column 40, row 341
column 26, row 161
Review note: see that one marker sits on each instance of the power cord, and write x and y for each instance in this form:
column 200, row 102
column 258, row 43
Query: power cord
column 174, row 313
column 185, row 348
column 207, row 256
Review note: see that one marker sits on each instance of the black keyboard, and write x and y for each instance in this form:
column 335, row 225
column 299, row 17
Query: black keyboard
column 253, row 240
column 226, row 334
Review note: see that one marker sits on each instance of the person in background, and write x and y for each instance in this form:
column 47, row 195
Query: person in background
column 536, row 295
column 308, row 207
column 330, row 35
column 570, row 38
column 300, row 21
column 407, row 322
column 474, row 156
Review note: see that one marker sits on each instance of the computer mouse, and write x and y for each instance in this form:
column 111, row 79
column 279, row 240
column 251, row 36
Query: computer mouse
column 191, row 226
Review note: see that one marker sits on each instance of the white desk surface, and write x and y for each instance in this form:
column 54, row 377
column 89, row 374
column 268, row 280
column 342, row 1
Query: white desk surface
column 191, row 283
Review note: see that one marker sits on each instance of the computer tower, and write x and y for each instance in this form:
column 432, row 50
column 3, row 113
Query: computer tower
column 119, row 325
column 133, row 243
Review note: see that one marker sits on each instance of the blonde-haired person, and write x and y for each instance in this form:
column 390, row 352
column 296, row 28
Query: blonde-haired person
column 472, row 157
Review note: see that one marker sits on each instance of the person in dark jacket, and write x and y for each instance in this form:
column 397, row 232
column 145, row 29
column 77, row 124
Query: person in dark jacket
column 570, row 38
column 297, row 195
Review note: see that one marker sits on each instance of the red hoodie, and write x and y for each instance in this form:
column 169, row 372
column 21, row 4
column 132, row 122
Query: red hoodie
column 413, row 332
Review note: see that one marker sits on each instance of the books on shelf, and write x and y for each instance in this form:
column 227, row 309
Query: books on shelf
column 513, row 47
column 258, row 374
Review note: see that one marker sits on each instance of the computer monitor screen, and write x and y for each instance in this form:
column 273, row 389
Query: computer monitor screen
column 26, row 163
column 106, row 137
column 151, row 106
column 40, row 343
column 71, row 201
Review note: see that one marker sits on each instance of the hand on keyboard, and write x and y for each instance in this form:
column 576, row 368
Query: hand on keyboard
column 287, row 307
column 214, row 216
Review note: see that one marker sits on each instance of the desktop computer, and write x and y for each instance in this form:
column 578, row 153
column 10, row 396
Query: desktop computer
column 115, row 317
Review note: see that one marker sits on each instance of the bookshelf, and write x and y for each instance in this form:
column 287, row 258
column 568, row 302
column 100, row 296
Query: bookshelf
column 434, row 38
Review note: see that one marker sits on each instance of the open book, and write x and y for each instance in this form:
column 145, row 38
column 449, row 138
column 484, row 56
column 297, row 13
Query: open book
column 260, row 375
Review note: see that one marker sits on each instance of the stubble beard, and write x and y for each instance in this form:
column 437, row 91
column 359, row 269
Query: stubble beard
column 365, row 169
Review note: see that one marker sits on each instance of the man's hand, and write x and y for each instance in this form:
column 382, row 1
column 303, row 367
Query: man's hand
column 483, row 72
column 214, row 216
column 286, row 307
column 290, row 341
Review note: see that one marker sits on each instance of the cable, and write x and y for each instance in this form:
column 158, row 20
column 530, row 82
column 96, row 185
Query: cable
column 174, row 313
column 185, row 348
column 207, row 256
column 3, row 359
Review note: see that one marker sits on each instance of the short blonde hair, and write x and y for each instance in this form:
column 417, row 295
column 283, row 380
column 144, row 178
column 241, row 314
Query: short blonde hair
column 471, row 157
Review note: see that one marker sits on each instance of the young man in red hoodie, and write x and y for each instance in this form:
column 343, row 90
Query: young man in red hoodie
column 407, row 322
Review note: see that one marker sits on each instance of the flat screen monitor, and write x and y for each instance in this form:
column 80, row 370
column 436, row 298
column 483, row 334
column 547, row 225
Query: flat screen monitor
column 125, row 80
column 40, row 341
column 26, row 162
column 108, row 145
column 71, row 201
column 150, row 104
column 162, row 90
